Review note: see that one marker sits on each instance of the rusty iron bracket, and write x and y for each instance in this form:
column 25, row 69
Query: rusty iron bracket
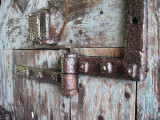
column 39, row 26
column 5, row 114
column 131, row 67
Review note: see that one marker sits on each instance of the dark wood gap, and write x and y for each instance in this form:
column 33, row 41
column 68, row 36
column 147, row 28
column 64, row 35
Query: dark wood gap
column 136, row 102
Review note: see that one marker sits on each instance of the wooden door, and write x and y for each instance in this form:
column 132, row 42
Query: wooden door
column 99, row 98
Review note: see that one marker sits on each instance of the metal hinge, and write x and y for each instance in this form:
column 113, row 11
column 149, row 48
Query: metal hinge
column 72, row 65
column 131, row 67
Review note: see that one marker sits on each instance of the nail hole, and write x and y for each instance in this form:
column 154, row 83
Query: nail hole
column 135, row 21
column 100, row 118
column 71, row 41
column 80, row 85
column 127, row 95
column 80, row 32
column 63, row 105
column 101, row 12
column 36, row 117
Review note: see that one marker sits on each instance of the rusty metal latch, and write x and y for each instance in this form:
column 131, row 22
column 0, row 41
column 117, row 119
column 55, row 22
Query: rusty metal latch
column 5, row 114
column 131, row 67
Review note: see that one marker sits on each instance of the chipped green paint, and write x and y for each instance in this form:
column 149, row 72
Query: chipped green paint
column 148, row 103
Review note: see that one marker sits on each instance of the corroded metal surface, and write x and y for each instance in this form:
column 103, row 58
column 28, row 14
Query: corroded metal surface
column 103, row 98
column 69, row 74
column 42, row 75
column 5, row 114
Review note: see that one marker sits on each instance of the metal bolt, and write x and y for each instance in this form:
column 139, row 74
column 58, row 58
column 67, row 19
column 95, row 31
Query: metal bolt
column 107, row 68
column 131, row 70
column 40, row 75
column 28, row 72
column 104, row 68
column 83, row 66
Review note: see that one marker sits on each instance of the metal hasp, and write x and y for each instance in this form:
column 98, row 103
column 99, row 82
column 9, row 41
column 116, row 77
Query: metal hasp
column 4, row 114
column 131, row 67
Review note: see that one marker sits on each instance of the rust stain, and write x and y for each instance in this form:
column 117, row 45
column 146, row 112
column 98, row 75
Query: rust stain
column 52, row 33
column 65, row 21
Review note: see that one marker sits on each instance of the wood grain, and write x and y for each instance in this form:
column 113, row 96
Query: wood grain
column 91, row 23
column 6, row 80
column 103, row 98
column 148, row 97
column 105, row 52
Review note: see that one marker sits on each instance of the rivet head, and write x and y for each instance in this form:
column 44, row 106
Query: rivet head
column 131, row 70
column 106, row 68
column 40, row 75
column 83, row 66
column 27, row 72
column 17, row 70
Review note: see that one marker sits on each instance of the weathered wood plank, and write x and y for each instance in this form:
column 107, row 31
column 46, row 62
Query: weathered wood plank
column 92, row 23
column 30, row 99
column 148, row 97
column 6, row 80
column 105, row 52
column 103, row 98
